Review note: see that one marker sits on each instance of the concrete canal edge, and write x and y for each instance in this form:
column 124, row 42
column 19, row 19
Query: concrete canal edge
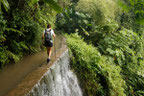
column 28, row 83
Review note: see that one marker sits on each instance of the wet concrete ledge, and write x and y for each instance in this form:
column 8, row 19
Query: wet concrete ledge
column 36, row 76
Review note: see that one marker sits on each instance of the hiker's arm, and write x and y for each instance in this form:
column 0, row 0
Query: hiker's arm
column 54, row 35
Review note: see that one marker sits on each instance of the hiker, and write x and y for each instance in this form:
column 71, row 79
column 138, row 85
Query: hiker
column 47, row 40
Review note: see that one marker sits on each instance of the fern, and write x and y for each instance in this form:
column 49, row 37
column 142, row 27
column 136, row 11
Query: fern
column 12, row 56
column 14, row 30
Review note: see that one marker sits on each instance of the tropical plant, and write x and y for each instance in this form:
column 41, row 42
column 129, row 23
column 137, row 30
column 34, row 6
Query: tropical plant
column 102, row 11
column 98, row 74
column 135, row 7
column 118, row 38
column 5, row 5
column 27, row 19
column 54, row 5
column 72, row 21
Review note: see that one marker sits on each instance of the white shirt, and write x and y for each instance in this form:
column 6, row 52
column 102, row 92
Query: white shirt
column 52, row 32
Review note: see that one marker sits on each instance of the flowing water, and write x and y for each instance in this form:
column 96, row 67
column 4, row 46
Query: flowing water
column 59, row 80
column 13, row 74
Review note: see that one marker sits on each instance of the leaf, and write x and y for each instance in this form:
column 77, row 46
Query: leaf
column 5, row 4
column 14, row 30
column 123, row 6
column 2, row 38
column 140, row 21
column 110, row 51
column 139, row 12
column 0, row 7
column 12, row 56
column 32, row 2
column 132, row 2
column 89, row 24
column 54, row 5
column 86, row 32
column 23, row 45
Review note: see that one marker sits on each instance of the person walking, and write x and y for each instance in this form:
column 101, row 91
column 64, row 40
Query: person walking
column 48, row 41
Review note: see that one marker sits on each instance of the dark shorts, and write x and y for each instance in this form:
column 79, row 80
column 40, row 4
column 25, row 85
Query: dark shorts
column 48, row 44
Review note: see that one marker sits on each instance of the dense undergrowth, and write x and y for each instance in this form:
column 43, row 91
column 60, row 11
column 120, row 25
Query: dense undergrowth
column 112, row 65
column 98, row 74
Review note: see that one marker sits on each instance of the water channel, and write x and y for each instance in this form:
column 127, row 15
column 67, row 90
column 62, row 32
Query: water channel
column 13, row 74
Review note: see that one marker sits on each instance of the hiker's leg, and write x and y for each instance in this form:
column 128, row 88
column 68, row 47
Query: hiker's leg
column 49, row 51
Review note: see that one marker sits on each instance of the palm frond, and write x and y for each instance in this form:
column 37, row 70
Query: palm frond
column 53, row 5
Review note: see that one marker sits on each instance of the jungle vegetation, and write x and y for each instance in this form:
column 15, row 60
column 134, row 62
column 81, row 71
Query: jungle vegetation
column 106, row 42
column 21, row 25
column 105, row 39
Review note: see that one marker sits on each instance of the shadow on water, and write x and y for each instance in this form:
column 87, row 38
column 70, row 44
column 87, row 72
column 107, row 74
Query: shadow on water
column 13, row 74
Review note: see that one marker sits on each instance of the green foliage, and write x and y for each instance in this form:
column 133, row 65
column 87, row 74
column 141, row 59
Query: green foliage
column 112, row 44
column 98, row 74
column 116, row 35
column 112, row 73
column 135, row 7
column 32, row 2
column 96, row 16
column 35, row 33
column 102, row 11
column 126, row 48
column 22, row 33
column 118, row 38
column 72, row 21
column 54, row 5
column 135, row 82
column 5, row 5
column 3, row 56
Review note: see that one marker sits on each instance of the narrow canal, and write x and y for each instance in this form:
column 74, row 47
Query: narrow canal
column 13, row 74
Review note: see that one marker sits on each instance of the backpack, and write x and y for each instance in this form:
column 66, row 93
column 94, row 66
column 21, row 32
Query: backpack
column 47, row 35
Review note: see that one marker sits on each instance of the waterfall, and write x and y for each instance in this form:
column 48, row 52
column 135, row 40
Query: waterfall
column 59, row 80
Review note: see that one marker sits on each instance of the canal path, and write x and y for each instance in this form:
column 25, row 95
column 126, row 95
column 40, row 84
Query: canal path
column 13, row 74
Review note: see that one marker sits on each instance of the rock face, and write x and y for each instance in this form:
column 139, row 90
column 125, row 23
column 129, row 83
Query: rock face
column 59, row 80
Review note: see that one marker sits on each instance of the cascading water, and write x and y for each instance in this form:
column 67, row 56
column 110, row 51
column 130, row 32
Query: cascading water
column 59, row 80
